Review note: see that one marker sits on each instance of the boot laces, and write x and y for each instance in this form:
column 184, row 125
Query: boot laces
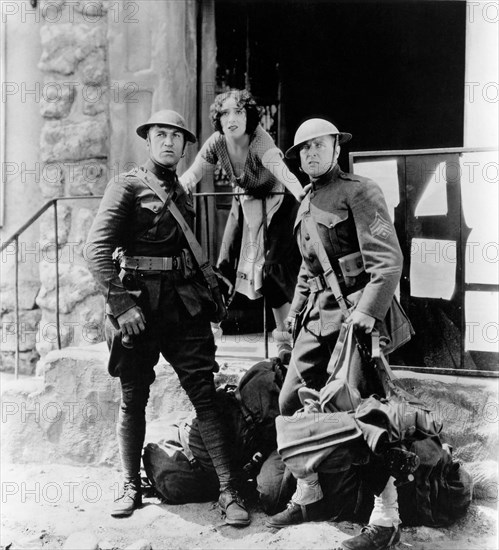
column 235, row 497
column 129, row 491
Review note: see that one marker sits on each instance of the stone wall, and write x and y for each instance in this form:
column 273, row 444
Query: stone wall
column 71, row 97
column 74, row 156
column 100, row 60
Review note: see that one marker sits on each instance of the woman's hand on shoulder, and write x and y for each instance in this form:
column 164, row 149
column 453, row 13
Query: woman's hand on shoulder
column 302, row 193
column 307, row 188
column 186, row 183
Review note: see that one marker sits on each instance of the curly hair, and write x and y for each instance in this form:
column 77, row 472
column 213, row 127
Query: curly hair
column 244, row 100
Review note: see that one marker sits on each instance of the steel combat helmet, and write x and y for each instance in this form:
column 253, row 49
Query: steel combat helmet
column 312, row 128
column 166, row 118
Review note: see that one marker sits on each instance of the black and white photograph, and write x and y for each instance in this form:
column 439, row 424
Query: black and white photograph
column 249, row 274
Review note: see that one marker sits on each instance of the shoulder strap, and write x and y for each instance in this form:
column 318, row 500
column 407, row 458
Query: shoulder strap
column 387, row 376
column 152, row 182
column 326, row 265
column 138, row 173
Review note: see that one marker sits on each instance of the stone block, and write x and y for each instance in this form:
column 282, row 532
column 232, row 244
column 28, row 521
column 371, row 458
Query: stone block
column 28, row 291
column 81, row 227
column 66, row 44
column 27, row 362
column 57, row 99
column 468, row 410
column 83, row 326
column 47, row 230
column 52, row 181
column 167, row 396
column 88, row 177
column 75, row 284
column 26, row 332
column 70, row 414
column 93, row 69
column 75, row 141
column 96, row 103
column 71, row 418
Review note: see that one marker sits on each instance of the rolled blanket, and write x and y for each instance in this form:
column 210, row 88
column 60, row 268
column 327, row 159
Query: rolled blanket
column 306, row 440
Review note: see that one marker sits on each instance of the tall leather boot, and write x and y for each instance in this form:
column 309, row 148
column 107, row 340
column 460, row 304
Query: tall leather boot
column 130, row 432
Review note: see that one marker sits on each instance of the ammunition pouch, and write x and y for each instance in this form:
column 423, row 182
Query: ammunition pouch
column 188, row 265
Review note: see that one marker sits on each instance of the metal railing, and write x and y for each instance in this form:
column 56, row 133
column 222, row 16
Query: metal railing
column 52, row 203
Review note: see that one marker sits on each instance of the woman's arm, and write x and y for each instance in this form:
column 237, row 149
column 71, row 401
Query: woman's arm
column 199, row 168
column 203, row 163
column 272, row 160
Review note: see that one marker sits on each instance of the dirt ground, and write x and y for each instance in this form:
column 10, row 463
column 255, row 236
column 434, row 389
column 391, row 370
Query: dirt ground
column 42, row 505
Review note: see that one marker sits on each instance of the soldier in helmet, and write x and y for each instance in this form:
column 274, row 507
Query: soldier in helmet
column 157, row 303
column 351, row 219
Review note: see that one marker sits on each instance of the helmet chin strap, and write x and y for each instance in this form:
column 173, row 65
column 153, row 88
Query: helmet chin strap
column 335, row 156
column 335, row 152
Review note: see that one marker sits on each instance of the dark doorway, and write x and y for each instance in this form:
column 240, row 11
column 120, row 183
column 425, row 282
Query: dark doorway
column 391, row 73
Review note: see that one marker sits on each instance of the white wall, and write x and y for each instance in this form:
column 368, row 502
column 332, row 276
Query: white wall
column 481, row 75
column 22, row 131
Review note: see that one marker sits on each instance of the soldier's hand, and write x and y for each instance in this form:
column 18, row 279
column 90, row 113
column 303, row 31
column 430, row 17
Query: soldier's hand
column 132, row 321
column 289, row 323
column 361, row 321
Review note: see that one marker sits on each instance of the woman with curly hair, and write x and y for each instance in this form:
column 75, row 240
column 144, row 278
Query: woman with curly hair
column 255, row 166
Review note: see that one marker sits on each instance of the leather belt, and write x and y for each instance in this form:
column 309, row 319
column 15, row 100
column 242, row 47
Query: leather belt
column 317, row 284
column 151, row 263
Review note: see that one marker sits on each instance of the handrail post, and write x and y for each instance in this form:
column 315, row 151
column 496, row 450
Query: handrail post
column 265, row 334
column 16, row 309
column 207, row 227
column 56, row 244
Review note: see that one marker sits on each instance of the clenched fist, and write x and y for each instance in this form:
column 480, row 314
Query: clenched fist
column 132, row 321
column 361, row 321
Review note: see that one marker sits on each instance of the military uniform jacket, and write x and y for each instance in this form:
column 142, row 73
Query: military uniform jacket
column 351, row 216
column 125, row 219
